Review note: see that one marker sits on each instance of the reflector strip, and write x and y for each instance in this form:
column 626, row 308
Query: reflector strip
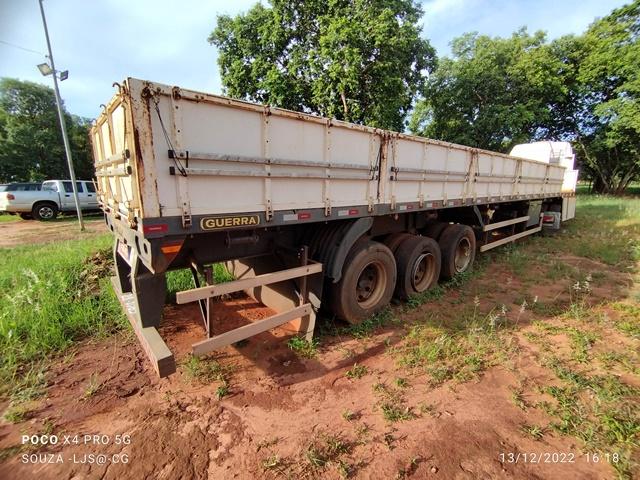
column 160, row 228
column 171, row 248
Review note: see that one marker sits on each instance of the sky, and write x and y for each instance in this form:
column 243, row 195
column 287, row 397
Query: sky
column 106, row 41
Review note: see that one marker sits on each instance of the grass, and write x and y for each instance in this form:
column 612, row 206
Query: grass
column 93, row 386
column 460, row 350
column 52, row 296
column 534, row 431
column 205, row 370
column 179, row 280
column 357, row 371
column 606, row 229
column 303, row 347
column 458, row 337
column 392, row 403
column 16, row 413
column 323, row 452
column 9, row 218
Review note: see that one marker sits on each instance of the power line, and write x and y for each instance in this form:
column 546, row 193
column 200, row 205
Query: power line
column 21, row 48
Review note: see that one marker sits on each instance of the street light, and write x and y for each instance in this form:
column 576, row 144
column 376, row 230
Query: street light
column 46, row 70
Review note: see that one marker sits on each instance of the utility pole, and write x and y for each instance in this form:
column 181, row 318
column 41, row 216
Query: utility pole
column 63, row 125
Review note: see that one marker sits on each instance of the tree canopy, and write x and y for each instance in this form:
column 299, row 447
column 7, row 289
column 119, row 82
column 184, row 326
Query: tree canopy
column 496, row 92
column 31, row 145
column 363, row 61
column 493, row 93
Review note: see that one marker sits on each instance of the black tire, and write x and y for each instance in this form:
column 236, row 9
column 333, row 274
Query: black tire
column 44, row 211
column 434, row 230
column 394, row 240
column 26, row 216
column 458, row 248
column 367, row 282
column 418, row 261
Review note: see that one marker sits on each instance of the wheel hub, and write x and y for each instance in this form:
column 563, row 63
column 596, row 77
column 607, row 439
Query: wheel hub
column 463, row 255
column 370, row 285
column 46, row 212
column 423, row 269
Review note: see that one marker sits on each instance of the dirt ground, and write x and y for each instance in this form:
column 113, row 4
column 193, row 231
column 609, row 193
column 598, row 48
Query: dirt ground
column 284, row 416
column 21, row 232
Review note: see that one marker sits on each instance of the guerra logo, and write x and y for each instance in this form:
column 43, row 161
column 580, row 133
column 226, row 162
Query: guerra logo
column 214, row 223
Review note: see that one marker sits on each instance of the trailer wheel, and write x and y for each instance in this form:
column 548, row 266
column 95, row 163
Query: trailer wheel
column 418, row 260
column 367, row 283
column 44, row 211
column 434, row 230
column 394, row 240
column 458, row 247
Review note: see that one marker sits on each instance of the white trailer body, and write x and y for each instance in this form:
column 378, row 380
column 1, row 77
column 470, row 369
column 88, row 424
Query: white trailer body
column 188, row 178
column 236, row 157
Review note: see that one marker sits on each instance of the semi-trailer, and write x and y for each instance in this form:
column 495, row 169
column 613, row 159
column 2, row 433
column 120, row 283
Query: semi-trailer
column 307, row 213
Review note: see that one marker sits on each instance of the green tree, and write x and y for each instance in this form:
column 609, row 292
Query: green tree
column 493, row 92
column 607, row 124
column 496, row 92
column 357, row 60
column 31, row 147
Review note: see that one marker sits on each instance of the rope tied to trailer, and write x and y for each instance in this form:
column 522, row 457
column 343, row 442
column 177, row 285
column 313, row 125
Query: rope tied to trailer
column 172, row 150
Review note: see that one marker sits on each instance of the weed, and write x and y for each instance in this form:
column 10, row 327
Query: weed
column 559, row 270
column 267, row 443
column 345, row 469
column 368, row 326
column 389, row 440
column 392, row 403
column 582, row 341
column 517, row 398
column 406, row 472
column 395, row 412
column 609, row 422
column 534, row 431
column 222, row 390
column 93, row 386
column 401, row 382
column 303, row 347
column 628, row 322
column 16, row 413
column 357, row 371
column 325, row 450
column 362, row 431
column 348, row 415
column 459, row 355
column 9, row 452
column 272, row 462
column 610, row 359
column 207, row 370
column 427, row 408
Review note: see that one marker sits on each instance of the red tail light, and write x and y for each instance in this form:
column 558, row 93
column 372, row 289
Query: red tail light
column 11, row 196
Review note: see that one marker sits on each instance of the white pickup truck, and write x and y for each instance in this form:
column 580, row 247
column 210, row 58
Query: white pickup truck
column 44, row 201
